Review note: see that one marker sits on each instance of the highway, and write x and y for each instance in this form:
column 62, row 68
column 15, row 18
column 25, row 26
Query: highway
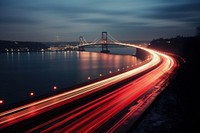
column 102, row 114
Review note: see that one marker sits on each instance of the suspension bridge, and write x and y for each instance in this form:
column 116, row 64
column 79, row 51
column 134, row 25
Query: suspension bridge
column 104, row 39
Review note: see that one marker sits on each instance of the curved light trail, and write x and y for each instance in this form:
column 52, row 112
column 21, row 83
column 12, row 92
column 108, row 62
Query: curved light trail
column 93, row 115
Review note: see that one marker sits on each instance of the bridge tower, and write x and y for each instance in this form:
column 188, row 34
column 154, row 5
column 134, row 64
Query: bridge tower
column 81, row 42
column 104, row 43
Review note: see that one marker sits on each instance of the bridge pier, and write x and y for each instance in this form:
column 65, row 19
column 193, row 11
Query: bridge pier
column 81, row 49
column 105, row 48
column 104, row 43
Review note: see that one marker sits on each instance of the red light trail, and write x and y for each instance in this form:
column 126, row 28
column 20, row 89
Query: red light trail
column 94, row 115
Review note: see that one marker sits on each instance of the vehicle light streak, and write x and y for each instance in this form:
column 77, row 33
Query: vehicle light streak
column 94, row 114
column 96, row 118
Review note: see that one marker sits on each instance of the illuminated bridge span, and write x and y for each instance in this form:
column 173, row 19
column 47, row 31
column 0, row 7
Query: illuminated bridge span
column 111, row 104
column 104, row 40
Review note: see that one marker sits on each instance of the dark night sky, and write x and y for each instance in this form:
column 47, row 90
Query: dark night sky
column 66, row 20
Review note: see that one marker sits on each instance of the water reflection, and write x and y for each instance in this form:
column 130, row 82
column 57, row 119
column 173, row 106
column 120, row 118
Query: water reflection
column 22, row 73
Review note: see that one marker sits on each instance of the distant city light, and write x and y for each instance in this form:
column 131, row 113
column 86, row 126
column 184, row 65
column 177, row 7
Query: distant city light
column 89, row 78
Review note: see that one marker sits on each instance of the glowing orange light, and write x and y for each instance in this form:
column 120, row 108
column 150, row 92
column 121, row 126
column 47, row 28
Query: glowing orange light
column 1, row 101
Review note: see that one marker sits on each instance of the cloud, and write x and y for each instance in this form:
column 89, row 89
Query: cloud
column 182, row 12
column 96, row 20
column 91, row 16
column 18, row 20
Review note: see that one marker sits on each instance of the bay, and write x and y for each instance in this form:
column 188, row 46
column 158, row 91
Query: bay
column 38, row 72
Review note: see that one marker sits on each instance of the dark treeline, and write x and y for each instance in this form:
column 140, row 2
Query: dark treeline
column 12, row 46
column 184, row 46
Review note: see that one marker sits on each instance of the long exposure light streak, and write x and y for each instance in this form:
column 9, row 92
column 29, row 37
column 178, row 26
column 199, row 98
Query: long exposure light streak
column 94, row 114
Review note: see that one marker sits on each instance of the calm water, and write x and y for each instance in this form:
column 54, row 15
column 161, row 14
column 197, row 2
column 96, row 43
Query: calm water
column 21, row 73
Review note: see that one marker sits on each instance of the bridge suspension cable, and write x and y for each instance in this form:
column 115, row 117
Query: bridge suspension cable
column 98, row 40
column 113, row 39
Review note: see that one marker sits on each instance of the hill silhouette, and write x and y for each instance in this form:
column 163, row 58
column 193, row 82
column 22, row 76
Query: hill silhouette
column 14, row 46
